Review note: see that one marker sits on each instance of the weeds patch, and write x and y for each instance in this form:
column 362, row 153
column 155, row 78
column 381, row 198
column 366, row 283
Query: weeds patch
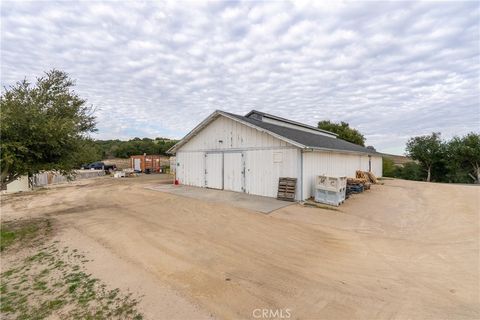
column 22, row 233
column 53, row 282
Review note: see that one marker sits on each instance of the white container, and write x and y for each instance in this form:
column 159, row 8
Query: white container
column 330, row 190
column 330, row 197
column 335, row 184
column 119, row 174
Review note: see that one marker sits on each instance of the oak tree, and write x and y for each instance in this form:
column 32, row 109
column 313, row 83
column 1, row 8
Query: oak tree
column 44, row 126
column 427, row 150
column 344, row 131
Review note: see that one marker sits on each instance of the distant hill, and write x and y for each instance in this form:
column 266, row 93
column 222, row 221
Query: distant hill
column 398, row 160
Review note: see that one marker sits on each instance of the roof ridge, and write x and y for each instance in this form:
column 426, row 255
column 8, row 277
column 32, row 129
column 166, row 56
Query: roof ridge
column 268, row 115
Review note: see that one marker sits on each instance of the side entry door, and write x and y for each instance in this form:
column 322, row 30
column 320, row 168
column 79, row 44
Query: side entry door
column 214, row 170
column 233, row 170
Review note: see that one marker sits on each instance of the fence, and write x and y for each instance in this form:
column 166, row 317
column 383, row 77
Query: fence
column 50, row 177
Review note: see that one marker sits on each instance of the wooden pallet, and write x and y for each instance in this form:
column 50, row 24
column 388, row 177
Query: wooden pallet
column 286, row 189
column 372, row 177
column 367, row 176
column 356, row 181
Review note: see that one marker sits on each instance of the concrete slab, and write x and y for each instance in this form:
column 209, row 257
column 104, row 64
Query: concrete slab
column 236, row 199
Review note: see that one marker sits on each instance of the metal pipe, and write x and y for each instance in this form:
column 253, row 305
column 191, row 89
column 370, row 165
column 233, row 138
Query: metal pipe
column 301, row 175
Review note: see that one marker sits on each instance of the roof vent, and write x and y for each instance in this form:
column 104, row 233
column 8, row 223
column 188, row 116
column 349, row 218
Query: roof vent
column 256, row 116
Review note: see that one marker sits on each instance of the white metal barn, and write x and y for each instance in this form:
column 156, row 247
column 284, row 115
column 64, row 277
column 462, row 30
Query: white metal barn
column 250, row 153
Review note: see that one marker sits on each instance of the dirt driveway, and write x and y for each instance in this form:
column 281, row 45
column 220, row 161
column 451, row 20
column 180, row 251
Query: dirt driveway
column 401, row 250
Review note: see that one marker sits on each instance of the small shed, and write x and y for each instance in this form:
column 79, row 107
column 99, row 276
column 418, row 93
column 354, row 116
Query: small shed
column 145, row 163
column 251, row 153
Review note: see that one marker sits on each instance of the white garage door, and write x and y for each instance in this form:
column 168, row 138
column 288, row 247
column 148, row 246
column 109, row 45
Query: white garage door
column 233, row 171
column 213, row 170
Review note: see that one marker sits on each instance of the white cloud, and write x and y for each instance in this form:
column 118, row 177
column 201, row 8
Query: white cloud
column 391, row 69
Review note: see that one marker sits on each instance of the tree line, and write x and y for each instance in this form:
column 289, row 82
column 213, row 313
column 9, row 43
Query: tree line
column 124, row 149
column 456, row 160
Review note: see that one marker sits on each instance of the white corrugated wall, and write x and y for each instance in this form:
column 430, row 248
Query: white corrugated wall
column 334, row 164
column 191, row 168
column 264, row 167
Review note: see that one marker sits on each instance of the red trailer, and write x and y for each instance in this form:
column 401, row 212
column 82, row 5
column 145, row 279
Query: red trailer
column 146, row 163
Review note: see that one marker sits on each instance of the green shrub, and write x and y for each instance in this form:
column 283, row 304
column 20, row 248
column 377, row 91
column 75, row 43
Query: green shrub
column 410, row 171
column 388, row 167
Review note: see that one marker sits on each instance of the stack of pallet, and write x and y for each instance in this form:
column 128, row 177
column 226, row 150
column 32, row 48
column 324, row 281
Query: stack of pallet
column 360, row 183
column 367, row 176
column 356, row 181
column 355, row 185
column 361, row 175
column 286, row 189
column 354, row 188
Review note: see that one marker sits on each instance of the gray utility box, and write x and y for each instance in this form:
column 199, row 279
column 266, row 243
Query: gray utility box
column 330, row 190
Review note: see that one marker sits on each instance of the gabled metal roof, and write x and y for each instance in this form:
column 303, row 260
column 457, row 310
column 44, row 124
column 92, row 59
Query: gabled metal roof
column 296, row 137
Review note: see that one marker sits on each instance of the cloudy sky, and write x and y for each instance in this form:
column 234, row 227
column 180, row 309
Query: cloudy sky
column 391, row 69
